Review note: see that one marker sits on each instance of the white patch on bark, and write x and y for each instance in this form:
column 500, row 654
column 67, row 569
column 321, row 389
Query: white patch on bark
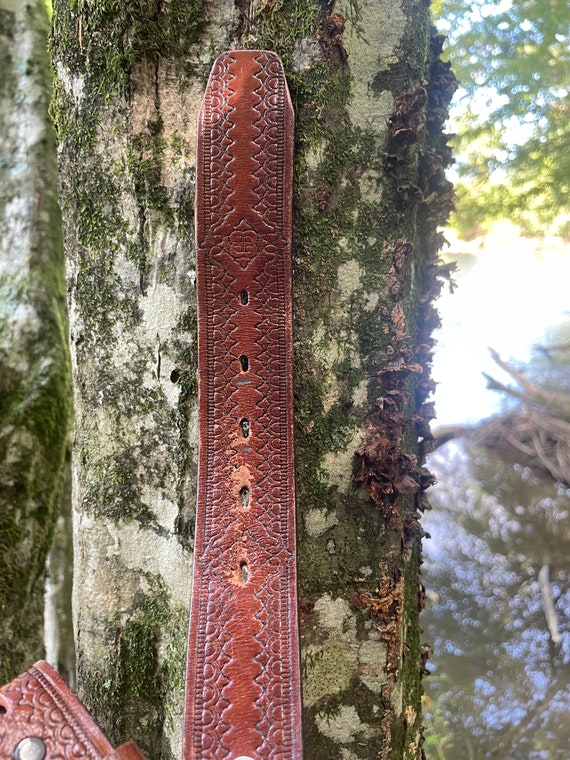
column 338, row 464
column 336, row 617
column 360, row 393
column 346, row 754
column 349, row 278
column 22, row 324
column 15, row 230
column 384, row 22
column 332, row 350
column 318, row 521
column 73, row 85
column 108, row 585
column 370, row 185
column 166, row 510
column 144, row 551
column 307, row 52
column 314, row 157
column 341, row 727
column 331, row 665
column 128, row 553
column 161, row 308
column 330, row 668
column 372, row 664
column 222, row 14
column 397, row 698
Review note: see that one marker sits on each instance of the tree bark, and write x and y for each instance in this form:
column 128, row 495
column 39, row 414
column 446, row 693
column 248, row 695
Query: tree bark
column 369, row 191
column 35, row 393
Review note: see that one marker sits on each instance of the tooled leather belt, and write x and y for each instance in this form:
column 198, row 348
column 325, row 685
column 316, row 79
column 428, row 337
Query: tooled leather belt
column 243, row 692
column 243, row 683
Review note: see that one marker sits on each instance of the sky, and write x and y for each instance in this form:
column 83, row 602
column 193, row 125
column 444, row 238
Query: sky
column 509, row 290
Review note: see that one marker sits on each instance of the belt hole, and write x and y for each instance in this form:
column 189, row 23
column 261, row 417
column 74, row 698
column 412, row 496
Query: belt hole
column 244, row 361
column 244, row 427
column 244, row 567
column 244, row 297
column 244, row 496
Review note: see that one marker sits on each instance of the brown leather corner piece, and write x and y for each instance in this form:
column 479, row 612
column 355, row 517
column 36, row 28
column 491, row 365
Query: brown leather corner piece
column 128, row 751
column 42, row 719
column 243, row 686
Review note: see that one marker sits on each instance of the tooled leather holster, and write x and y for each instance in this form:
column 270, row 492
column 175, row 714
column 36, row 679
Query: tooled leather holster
column 243, row 692
column 40, row 717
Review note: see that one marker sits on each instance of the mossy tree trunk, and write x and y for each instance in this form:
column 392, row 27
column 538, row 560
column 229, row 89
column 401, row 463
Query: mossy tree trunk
column 35, row 391
column 369, row 191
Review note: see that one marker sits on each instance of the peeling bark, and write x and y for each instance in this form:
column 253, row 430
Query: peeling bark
column 369, row 192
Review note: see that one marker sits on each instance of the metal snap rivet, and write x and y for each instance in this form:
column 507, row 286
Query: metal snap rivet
column 31, row 748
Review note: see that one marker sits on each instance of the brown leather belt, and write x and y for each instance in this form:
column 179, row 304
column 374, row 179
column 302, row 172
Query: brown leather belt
column 243, row 681
column 243, row 690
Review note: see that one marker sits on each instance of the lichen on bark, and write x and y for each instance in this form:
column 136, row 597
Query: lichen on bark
column 363, row 273
column 35, row 390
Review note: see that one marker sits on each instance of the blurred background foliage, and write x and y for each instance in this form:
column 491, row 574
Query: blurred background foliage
column 498, row 573
column 512, row 125
column 497, row 570
column 498, row 611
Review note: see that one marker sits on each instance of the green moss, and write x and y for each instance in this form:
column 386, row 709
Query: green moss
column 7, row 23
column 281, row 23
column 317, row 432
column 185, row 210
column 115, row 492
column 120, row 462
column 111, row 38
column 131, row 693
column 331, row 562
column 145, row 162
column 92, row 197
column 93, row 204
column 412, row 685
column 138, row 644
column 100, row 231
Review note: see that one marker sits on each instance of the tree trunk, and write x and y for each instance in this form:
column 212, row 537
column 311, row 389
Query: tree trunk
column 35, row 394
column 369, row 190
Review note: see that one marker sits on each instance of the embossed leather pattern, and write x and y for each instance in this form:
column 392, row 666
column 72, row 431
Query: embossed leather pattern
column 40, row 717
column 243, row 683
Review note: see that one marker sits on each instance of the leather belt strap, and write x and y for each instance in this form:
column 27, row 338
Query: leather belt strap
column 243, row 693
